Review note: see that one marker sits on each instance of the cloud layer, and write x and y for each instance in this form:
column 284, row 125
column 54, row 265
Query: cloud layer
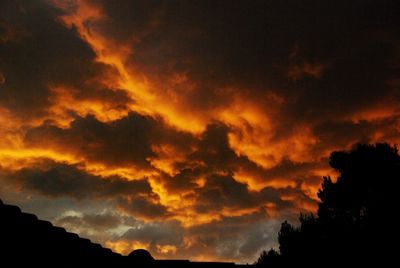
column 190, row 128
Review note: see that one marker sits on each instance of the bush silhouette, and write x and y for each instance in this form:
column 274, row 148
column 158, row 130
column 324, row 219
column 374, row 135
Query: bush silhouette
column 141, row 257
column 352, row 223
column 271, row 258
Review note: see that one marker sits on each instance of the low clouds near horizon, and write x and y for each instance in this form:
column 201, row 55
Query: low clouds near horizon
column 190, row 128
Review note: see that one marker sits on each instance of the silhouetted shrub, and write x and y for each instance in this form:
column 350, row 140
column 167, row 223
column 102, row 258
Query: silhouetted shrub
column 268, row 259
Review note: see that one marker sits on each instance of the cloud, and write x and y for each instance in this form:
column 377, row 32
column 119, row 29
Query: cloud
column 256, row 233
column 205, row 123
column 261, row 236
column 61, row 55
column 98, row 222
column 123, row 142
column 222, row 191
column 40, row 54
column 239, row 237
column 144, row 208
column 170, row 233
column 57, row 180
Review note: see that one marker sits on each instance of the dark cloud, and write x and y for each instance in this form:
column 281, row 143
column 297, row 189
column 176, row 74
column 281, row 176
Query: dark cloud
column 39, row 53
column 144, row 208
column 61, row 180
column 49, row 53
column 223, row 191
column 177, row 36
column 212, row 155
column 229, row 225
column 214, row 149
column 343, row 133
column 215, row 163
column 240, row 237
column 255, row 45
column 261, row 236
column 124, row 142
column 289, row 169
column 58, row 180
column 185, row 179
column 157, row 233
column 95, row 222
column 102, row 221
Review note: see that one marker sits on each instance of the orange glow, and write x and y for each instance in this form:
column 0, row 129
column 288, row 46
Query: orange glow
column 64, row 102
column 253, row 130
column 166, row 249
column 166, row 199
column 272, row 210
column 130, row 173
column 376, row 113
column 167, row 156
column 147, row 100
column 125, row 247
column 15, row 159
column 253, row 184
column 189, row 218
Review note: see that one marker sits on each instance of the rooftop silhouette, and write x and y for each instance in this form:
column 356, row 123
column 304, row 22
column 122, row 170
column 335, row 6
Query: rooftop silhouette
column 26, row 241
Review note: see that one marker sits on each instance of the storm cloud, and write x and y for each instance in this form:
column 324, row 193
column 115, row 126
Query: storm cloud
column 191, row 128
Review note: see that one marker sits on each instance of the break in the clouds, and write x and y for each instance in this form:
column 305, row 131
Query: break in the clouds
column 190, row 128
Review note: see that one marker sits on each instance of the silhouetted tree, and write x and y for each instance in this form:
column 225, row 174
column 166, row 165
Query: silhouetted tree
column 352, row 226
column 270, row 258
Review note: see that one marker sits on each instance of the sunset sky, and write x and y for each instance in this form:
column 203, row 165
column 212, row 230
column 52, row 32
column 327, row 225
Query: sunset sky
column 188, row 128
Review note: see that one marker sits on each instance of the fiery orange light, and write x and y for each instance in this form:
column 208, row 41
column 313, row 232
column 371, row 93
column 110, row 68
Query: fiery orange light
column 63, row 102
column 147, row 101
column 125, row 247
column 166, row 249
column 167, row 156
column 252, row 183
column 376, row 113
column 12, row 158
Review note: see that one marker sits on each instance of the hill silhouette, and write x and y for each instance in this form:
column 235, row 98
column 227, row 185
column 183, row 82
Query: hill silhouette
column 26, row 241
column 354, row 224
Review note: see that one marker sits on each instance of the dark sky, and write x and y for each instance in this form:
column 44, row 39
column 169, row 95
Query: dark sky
column 189, row 128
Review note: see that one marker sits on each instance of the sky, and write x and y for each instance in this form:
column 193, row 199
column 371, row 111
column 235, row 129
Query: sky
column 188, row 128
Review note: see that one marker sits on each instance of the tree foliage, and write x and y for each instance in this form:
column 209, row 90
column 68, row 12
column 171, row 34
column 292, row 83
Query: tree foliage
column 351, row 226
